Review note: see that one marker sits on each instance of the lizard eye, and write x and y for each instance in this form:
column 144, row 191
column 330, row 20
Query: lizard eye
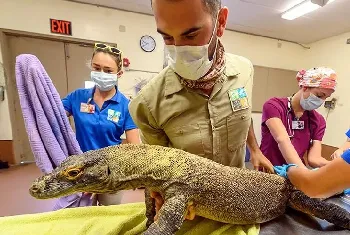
column 73, row 173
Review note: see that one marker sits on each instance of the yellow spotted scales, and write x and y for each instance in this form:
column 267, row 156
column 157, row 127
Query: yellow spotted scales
column 217, row 192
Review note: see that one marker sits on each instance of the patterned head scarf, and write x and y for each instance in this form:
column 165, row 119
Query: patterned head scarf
column 321, row 77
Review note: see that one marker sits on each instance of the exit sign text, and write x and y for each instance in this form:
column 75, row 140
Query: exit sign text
column 61, row 27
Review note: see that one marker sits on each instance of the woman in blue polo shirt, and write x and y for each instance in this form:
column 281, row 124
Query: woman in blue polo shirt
column 101, row 113
column 334, row 176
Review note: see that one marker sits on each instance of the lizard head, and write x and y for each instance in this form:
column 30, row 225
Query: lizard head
column 88, row 172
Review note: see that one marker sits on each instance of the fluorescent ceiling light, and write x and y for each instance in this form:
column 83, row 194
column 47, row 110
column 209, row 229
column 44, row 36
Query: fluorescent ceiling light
column 300, row 9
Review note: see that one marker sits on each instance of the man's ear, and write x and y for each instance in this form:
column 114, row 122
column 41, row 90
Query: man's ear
column 222, row 20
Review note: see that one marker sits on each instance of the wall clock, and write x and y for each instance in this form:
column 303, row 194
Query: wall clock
column 147, row 43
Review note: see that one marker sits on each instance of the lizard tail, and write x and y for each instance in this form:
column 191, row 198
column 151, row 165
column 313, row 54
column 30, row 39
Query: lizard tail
column 320, row 209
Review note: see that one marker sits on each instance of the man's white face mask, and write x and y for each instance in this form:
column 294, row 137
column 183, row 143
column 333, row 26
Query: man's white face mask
column 191, row 62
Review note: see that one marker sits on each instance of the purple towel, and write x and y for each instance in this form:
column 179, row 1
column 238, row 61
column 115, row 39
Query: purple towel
column 50, row 135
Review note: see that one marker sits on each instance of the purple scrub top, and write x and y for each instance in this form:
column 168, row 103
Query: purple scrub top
column 277, row 108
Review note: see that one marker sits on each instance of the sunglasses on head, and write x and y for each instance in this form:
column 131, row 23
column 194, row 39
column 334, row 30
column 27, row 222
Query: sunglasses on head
column 103, row 46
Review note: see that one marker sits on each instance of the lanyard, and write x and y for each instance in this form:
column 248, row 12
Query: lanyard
column 290, row 129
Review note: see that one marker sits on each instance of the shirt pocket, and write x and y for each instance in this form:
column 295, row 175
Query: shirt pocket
column 187, row 138
column 237, row 128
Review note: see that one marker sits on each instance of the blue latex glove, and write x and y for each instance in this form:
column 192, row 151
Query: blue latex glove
column 282, row 170
column 347, row 191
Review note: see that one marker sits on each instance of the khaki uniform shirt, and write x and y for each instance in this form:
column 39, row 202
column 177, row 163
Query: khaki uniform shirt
column 215, row 126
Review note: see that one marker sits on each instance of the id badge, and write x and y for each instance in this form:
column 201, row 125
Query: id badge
column 87, row 108
column 238, row 98
column 113, row 115
column 298, row 125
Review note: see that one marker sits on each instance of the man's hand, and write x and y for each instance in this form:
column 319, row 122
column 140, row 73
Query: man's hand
column 259, row 160
column 337, row 154
column 159, row 201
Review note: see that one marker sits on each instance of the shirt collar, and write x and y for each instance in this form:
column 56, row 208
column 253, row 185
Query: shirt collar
column 231, row 69
column 173, row 85
column 172, row 82
column 116, row 98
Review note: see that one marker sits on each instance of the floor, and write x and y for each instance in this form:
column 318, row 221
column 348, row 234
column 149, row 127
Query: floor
column 16, row 200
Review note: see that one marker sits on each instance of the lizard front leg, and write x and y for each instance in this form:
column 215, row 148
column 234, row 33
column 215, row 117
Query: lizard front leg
column 150, row 208
column 171, row 216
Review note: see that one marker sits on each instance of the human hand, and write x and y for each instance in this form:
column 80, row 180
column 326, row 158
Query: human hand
column 282, row 170
column 260, row 161
column 92, row 195
column 159, row 201
column 337, row 153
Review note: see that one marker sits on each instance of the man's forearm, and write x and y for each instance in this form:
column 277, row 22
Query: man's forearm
column 251, row 140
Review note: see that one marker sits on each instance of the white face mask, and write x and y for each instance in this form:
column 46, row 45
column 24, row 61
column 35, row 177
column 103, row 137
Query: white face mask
column 191, row 62
column 104, row 81
column 311, row 103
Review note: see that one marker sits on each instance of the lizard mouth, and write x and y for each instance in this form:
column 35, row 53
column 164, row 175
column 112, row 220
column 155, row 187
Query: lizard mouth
column 39, row 192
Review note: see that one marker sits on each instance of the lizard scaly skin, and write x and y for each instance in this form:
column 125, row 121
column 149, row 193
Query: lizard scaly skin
column 217, row 192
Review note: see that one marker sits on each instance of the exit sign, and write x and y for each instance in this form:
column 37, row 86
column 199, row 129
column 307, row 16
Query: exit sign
column 61, row 27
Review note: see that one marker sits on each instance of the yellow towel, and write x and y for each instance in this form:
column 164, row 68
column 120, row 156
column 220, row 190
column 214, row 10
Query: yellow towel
column 128, row 219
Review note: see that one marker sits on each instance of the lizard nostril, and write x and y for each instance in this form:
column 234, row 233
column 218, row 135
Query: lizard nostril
column 34, row 189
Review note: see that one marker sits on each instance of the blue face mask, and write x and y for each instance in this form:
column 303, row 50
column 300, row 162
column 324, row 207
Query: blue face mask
column 104, row 81
column 311, row 103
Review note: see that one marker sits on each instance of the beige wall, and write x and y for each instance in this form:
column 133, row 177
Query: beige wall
column 88, row 22
column 264, row 51
column 335, row 53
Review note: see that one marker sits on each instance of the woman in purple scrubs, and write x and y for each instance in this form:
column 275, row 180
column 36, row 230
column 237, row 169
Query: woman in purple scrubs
column 291, row 126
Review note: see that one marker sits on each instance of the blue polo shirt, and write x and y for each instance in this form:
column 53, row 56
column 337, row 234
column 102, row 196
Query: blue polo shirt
column 348, row 133
column 346, row 154
column 102, row 128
